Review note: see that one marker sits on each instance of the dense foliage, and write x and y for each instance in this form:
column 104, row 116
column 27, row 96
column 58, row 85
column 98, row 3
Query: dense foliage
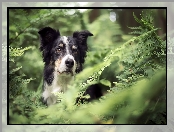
column 130, row 68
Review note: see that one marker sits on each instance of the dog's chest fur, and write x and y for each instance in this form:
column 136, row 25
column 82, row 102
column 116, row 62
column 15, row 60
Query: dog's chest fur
column 59, row 84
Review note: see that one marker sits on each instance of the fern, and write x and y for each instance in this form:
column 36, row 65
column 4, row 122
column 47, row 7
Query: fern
column 14, row 52
column 17, row 84
column 15, row 81
column 154, row 61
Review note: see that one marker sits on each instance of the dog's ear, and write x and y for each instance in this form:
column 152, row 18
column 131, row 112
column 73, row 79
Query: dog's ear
column 82, row 36
column 47, row 36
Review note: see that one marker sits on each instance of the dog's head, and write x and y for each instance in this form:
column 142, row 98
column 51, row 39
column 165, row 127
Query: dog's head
column 65, row 53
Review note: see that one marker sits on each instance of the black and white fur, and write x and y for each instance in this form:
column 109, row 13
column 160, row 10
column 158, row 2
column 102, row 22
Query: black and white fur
column 63, row 57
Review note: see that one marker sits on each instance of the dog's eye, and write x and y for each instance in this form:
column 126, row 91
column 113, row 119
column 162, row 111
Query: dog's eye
column 74, row 49
column 58, row 49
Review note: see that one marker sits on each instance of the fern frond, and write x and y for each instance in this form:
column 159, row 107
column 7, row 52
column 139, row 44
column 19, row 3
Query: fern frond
column 14, row 52
column 15, row 70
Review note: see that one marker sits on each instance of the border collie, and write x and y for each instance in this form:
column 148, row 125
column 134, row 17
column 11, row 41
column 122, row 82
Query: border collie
column 63, row 57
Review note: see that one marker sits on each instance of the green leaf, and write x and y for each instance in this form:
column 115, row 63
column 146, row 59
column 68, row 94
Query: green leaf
column 16, row 69
column 105, row 82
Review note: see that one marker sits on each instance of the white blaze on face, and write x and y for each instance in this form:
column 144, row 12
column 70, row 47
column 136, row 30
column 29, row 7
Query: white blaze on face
column 65, row 41
column 62, row 66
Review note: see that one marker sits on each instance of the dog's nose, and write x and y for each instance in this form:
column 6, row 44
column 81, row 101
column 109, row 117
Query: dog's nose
column 69, row 63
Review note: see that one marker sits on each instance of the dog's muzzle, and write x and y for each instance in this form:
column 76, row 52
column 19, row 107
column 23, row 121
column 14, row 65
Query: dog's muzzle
column 67, row 66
